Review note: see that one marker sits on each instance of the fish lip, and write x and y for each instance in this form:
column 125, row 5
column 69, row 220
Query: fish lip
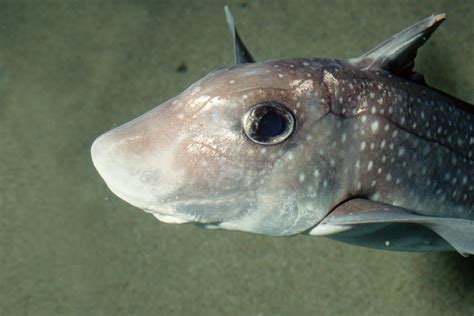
column 164, row 208
column 204, row 201
column 169, row 209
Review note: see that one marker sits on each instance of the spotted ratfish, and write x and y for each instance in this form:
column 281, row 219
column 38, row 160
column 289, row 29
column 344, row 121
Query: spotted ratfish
column 361, row 151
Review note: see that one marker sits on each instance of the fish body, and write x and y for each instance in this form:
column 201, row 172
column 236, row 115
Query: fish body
column 361, row 151
column 411, row 146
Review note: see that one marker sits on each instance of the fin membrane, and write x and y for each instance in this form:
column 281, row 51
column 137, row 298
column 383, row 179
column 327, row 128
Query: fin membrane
column 241, row 53
column 397, row 54
column 359, row 220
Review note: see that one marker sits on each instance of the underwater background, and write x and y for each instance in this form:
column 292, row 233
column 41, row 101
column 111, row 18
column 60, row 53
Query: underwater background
column 70, row 70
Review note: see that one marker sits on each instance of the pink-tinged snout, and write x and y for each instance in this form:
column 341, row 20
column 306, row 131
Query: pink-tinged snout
column 116, row 164
column 138, row 161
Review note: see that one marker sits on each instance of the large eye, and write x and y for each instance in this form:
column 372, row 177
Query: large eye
column 268, row 123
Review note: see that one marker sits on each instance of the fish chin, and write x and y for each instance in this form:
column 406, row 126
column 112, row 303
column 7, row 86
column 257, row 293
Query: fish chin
column 168, row 218
column 201, row 211
column 137, row 202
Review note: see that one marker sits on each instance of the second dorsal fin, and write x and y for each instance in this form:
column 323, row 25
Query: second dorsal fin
column 397, row 54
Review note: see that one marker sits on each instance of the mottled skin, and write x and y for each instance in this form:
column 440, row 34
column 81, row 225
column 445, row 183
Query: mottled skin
column 373, row 158
column 355, row 136
column 415, row 144
column 212, row 172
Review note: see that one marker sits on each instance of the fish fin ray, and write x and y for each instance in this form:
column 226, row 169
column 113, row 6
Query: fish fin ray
column 397, row 54
column 374, row 219
column 241, row 53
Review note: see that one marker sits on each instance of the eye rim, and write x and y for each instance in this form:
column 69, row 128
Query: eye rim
column 281, row 110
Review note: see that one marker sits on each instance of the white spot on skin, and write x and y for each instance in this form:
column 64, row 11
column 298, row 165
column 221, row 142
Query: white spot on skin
column 343, row 137
column 370, row 165
column 280, row 75
column 301, row 177
column 374, row 126
column 401, row 151
column 316, row 173
column 423, row 170
column 232, row 81
column 362, row 146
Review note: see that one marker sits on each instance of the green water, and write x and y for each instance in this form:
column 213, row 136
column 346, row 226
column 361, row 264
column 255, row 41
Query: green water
column 70, row 70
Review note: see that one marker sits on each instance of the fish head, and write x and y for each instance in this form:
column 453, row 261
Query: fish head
column 232, row 151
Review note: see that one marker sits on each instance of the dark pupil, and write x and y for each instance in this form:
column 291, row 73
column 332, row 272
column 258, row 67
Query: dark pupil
column 271, row 124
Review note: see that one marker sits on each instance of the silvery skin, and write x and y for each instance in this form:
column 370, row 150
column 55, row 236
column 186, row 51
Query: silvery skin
column 361, row 151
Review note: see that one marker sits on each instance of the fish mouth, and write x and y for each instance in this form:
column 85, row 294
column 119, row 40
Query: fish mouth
column 193, row 210
column 202, row 210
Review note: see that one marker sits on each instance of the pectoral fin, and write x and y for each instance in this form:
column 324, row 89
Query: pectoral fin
column 397, row 54
column 377, row 225
column 241, row 54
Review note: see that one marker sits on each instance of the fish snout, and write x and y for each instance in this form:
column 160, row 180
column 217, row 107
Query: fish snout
column 149, row 180
column 99, row 153
column 113, row 165
column 129, row 172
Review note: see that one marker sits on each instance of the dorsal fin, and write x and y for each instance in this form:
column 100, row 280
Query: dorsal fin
column 397, row 54
column 241, row 53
